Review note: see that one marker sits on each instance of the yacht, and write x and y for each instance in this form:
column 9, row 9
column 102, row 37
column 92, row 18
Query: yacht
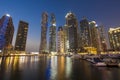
column 112, row 62
column 97, row 61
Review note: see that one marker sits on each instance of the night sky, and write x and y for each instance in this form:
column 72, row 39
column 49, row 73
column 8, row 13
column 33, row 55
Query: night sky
column 104, row 12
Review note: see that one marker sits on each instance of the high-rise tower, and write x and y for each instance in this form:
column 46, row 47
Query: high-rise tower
column 85, row 33
column 102, row 38
column 94, row 36
column 97, row 37
column 44, row 25
column 60, row 41
column 114, row 38
column 21, row 38
column 6, row 32
column 72, row 25
column 65, row 28
column 52, row 38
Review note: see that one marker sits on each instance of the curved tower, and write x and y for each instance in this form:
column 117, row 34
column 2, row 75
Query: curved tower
column 44, row 25
column 6, row 32
column 52, row 33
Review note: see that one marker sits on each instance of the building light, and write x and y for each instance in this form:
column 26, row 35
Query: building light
column 8, row 15
column 54, row 24
column 96, row 25
column 94, row 22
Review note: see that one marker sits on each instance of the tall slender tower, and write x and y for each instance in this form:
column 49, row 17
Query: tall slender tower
column 52, row 38
column 102, row 38
column 6, row 32
column 85, row 33
column 65, row 28
column 60, row 41
column 72, row 24
column 97, row 37
column 44, row 25
column 21, row 38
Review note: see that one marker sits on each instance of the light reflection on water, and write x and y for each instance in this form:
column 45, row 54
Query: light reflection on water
column 53, row 68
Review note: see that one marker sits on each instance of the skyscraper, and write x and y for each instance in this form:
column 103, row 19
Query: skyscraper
column 97, row 37
column 72, row 24
column 6, row 32
column 102, row 38
column 52, row 34
column 65, row 28
column 94, row 36
column 20, row 44
column 60, row 41
column 44, row 25
column 85, row 33
column 114, row 38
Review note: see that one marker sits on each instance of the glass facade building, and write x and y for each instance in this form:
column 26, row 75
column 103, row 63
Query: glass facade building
column 92, row 37
column 44, row 25
column 84, row 33
column 72, row 24
column 20, row 44
column 6, row 32
column 52, row 34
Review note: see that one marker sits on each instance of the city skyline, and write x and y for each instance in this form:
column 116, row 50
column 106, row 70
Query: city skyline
column 105, row 13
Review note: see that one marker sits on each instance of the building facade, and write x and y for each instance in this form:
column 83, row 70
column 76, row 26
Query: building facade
column 6, row 32
column 114, row 38
column 84, row 33
column 52, row 34
column 65, row 28
column 60, row 41
column 102, row 38
column 44, row 25
column 97, row 37
column 72, row 25
column 21, row 38
column 92, row 37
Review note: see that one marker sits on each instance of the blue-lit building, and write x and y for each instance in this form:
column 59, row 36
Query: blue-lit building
column 6, row 32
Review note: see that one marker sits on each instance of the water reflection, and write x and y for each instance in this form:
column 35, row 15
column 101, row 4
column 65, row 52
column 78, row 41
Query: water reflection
column 68, row 68
column 53, row 68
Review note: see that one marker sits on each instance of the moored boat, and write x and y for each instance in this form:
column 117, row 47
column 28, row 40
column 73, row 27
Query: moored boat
column 97, row 61
column 112, row 62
